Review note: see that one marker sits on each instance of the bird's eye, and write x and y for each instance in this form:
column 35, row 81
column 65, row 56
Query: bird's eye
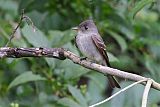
column 85, row 27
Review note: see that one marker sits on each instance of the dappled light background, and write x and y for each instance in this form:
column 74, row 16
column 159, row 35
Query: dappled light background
column 133, row 45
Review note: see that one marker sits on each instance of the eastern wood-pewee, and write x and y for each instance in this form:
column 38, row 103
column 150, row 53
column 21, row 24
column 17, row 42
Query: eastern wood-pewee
column 90, row 43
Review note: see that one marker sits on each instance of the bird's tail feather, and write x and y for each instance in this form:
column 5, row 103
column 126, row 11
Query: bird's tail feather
column 113, row 82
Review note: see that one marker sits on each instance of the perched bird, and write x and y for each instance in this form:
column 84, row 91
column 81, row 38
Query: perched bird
column 91, row 45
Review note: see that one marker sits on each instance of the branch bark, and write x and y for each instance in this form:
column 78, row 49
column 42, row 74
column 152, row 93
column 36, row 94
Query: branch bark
column 61, row 54
column 32, row 52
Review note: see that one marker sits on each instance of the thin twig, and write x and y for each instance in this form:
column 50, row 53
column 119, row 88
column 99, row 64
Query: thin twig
column 14, row 31
column 124, row 89
column 146, row 91
column 19, row 23
column 29, row 21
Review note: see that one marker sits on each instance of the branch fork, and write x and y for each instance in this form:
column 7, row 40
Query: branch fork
column 145, row 94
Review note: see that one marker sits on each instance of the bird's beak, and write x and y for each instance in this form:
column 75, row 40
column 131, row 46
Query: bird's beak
column 75, row 28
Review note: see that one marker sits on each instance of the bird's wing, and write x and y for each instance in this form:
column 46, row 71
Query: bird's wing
column 97, row 40
column 75, row 41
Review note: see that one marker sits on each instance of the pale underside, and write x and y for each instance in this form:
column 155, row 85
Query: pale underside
column 88, row 48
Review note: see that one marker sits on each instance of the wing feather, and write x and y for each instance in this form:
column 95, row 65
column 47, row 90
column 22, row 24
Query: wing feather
column 75, row 41
column 97, row 40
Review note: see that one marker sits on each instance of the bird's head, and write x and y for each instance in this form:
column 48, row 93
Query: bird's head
column 87, row 26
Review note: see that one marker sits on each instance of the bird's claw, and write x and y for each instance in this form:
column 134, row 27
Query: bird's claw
column 83, row 58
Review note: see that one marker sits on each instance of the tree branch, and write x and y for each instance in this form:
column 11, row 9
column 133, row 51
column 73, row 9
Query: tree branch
column 61, row 53
column 117, row 93
column 146, row 91
column 32, row 52
column 22, row 17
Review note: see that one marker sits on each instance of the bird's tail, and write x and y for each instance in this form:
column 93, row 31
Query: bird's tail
column 113, row 82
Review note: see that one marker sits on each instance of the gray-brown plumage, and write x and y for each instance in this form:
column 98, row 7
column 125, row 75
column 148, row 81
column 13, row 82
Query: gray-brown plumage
column 90, row 43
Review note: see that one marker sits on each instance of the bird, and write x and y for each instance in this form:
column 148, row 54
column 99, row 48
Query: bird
column 91, row 45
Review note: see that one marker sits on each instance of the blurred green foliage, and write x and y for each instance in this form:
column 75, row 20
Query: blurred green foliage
column 130, row 29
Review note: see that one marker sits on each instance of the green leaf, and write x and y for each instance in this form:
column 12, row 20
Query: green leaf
column 99, row 79
column 139, row 6
column 153, row 67
column 50, row 62
column 121, row 41
column 68, row 102
column 67, row 37
column 128, row 32
column 72, row 71
column 126, row 99
column 112, row 58
column 24, row 78
column 37, row 38
column 55, row 36
column 60, row 38
column 77, row 95
column 96, row 87
column 10, row 6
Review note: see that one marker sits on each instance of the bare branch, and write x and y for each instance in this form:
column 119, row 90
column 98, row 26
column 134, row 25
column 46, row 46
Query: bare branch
column 107, row 70
column 32, row 52
column 22, row 17
column 146, row 91
column 114, row 95
column 14, row 31
column 61, row 53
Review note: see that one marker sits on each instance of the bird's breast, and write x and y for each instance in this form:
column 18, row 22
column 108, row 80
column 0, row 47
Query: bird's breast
column 88, row 48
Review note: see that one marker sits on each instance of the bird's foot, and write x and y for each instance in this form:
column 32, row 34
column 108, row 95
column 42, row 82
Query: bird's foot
column 83, row 58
